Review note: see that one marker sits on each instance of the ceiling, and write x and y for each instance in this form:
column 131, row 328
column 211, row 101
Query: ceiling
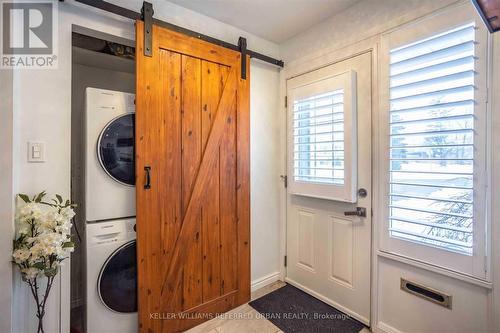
column 274, row 20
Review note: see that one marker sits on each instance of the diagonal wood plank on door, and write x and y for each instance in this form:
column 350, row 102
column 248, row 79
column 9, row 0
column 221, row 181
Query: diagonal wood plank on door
column 190, row 222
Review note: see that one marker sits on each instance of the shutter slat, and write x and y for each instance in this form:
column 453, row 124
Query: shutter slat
column 433, row 225
column 425, row 120
column 428, row 46
column 394, row 194
column 431, row 211
column 432, row 185
column 467, row 245
column 434, row 107
column 447, row 66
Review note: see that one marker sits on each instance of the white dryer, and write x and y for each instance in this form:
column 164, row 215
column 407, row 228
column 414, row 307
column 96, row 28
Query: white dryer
column 111, row 277
column 109, row 155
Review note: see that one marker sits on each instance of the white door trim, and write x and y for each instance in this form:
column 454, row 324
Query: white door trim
column 6, row 197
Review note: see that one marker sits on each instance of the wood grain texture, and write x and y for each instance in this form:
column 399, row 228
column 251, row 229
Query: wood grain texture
column 213, row 79
column 192, row 237
column 195, row 47
column 243, row 185
column 191, row 158
column 146, row 254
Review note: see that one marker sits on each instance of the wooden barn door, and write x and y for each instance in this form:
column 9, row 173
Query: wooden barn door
column 192, row 149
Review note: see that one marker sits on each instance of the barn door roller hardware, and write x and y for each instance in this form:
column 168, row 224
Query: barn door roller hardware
column 242, row 43
column 146, row 15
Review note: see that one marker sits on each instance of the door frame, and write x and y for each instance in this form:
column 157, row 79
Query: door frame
column 7, row 192
column 306, row 65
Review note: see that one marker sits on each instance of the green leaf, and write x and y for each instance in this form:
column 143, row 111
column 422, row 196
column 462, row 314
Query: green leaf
column 59, row 198
column 68, row 244
column 24, row 197
column 50, row 272
column 39, row 265
column 40, row 196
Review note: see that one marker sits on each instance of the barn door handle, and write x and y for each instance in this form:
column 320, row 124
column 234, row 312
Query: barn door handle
column 147, row 186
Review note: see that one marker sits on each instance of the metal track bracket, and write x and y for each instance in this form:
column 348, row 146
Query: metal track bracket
column 242, row 43
column 147, row 16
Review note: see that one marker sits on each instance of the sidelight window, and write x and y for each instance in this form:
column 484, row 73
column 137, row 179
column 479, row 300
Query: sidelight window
column 432, row 140
column 434, row 132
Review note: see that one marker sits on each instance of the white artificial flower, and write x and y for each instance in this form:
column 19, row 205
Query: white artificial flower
column 26, row 209
column 64, row 227
column 23, row 213
column 36, row 211
column 30, row 240
column 21, row 255
column 48, row 221
column 42, row 231
column 68, row 213
column 23, row 229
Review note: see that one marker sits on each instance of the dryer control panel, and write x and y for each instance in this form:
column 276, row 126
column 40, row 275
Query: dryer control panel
column 109, row 232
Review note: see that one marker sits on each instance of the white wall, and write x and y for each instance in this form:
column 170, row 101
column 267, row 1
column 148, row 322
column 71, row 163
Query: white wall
column 42, row 104
column 363, row 20
column 265, row 183
column 392, row 310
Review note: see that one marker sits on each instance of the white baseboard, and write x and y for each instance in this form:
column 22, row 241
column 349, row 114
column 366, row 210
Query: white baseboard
column 383, row 327
column 264, row 281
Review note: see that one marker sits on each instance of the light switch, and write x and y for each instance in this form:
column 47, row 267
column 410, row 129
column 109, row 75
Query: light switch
column 36, row 152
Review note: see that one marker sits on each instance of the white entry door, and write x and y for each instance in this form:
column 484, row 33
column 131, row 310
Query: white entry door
column 329, row 175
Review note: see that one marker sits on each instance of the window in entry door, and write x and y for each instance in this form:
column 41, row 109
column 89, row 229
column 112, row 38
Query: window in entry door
column 322, row 127
column 318, row 131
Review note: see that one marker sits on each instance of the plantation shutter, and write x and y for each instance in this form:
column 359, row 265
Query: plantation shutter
column 322, row 132
column 432, row 140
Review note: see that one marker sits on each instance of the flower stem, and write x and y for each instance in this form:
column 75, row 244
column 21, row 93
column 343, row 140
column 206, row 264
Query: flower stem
column 40, row 303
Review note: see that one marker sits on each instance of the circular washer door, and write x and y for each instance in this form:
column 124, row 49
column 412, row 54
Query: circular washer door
column 117, row 283
column 115, row 149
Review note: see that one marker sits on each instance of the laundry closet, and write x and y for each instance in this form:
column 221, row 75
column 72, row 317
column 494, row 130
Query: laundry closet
column 103, row 182
column 168, row 165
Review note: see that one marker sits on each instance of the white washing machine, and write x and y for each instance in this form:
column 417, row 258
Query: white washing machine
column 111, row 277
column 109, row 155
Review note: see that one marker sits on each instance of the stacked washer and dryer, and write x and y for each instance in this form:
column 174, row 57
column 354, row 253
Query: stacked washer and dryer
column 111, row 269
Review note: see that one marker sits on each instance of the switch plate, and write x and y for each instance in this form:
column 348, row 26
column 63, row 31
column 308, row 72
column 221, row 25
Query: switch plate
column 36, row 152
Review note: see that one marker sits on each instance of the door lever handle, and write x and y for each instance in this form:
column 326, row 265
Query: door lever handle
column 147, row 186
column 360, row 211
